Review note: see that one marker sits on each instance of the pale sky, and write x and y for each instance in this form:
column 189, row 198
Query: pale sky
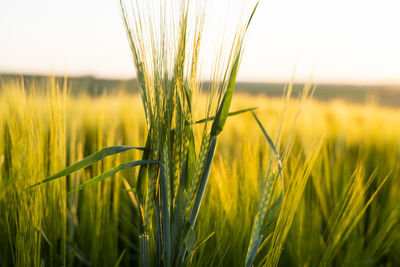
column 336, row 41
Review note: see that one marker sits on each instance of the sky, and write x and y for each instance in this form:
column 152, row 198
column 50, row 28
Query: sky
column 336, row 41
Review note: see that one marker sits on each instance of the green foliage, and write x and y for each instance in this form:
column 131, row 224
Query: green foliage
column 328, row 202
column 88, row 161
column 167, row 101
column 342, row 187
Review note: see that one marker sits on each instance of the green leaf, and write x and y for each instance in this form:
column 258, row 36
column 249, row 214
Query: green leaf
column 118, row 262
column 122, row 166
column 271, row 144
column 223, row 109
column 203, row 182
column 256, row 236
column 144, row 250
column 273, row 212
column 143, row 172
column 89, row 160
column 229, row 114
column 188, row 98
column 252, row 253
column 190, row 240
column 264, row 216
column 191, row 158
column 158, row 235
column 252, row 14
column 187, row 225
column 165, row 218
column 203, row 241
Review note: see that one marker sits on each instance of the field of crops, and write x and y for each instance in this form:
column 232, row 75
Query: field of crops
column 180, row 170
column 341, row 166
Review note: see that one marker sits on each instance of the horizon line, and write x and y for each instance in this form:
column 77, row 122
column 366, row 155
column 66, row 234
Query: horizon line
column 239, row 80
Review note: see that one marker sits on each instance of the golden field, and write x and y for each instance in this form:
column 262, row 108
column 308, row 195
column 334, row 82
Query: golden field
column 343, row 159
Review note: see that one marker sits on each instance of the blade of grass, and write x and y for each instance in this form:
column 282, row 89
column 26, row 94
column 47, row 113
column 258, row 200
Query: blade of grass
column 187, row 225
column 203, row 241
column 89, row 160
column 203, row 182
column 122, row 166
column 271, row 144
column 165, row 218
column 223, row 109
column 143, row 172
column 118, row 262
column 229, row 114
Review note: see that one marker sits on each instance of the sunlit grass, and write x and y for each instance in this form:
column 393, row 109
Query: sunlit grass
column 358, row 148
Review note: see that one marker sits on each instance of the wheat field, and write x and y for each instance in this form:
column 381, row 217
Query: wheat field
column 341, row 164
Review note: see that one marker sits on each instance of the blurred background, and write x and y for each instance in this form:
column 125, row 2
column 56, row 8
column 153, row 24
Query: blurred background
column 350, row 49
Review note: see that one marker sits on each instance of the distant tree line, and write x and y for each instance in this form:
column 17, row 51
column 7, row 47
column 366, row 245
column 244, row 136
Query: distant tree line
column 92, row 86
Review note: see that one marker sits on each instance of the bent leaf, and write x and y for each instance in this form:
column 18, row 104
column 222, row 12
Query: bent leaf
column 271, row 144
column 229, row 114
column 89, row 160
column 263, row 213
column 122, row 166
